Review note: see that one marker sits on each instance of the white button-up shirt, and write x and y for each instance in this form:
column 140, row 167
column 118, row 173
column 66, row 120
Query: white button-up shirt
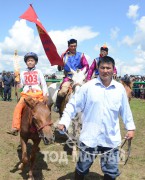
column 100, row 107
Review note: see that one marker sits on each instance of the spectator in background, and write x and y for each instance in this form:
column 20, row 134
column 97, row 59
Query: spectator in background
column 94, row 66
column 8, row 81
column 1, row 86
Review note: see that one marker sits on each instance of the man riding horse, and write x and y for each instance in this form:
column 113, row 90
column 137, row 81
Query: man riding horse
column 94, row 66
column 30, row 80
column 73, row 60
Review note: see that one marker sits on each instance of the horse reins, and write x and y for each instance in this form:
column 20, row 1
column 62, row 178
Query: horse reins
column 46, row 124
column 123, row 142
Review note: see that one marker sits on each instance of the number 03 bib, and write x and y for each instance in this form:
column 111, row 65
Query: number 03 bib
column 31, row 78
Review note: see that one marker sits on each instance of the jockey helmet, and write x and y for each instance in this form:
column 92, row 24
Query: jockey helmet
column 104, row 48
column 31, row 54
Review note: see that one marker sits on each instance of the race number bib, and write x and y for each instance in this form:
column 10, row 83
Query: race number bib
column 31, row 78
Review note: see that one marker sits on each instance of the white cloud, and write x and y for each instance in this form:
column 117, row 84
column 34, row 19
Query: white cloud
column 22, row 38
column 133, row 70
column 136, row 42
column 127, row 40
column 132, row 11
column 141, row 25
column 60, row 38
column 114, row 32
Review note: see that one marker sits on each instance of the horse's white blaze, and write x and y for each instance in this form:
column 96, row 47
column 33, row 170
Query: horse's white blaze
column 52, row 92
column 78, row 78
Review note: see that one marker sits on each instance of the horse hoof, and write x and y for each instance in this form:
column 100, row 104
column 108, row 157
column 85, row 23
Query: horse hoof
column 31, row 178
column 74, row 153
column 20, row 167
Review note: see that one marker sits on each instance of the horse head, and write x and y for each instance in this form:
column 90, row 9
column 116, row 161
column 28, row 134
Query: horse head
column 41, row 116
column 127, row 83
column 78, row 78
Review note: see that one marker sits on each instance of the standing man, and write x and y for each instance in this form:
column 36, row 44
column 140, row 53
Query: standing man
column 101, row 101
column 94, row 67
column 1, row 86
column 8, row 81
column 72, row 60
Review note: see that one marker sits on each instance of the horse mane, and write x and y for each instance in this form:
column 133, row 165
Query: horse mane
column 129, row 84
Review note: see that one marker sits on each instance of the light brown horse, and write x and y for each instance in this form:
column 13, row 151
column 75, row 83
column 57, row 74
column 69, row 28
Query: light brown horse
column 35, row 125
column 128, row 87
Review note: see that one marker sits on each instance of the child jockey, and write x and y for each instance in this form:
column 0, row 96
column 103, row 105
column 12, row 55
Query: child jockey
column 31, row 80
column 94, row 66
column 72, row 60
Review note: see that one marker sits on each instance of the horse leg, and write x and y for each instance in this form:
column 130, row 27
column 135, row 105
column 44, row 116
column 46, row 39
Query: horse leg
column 35, row 149
column 24, row 160
column 75, row 135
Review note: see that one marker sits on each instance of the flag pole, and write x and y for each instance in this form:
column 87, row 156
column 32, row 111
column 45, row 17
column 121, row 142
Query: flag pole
column 16, row 73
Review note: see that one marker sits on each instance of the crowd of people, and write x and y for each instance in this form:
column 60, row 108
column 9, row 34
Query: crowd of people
column 138, row 85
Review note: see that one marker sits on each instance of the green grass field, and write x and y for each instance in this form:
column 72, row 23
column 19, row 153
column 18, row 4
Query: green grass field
column 48, row 169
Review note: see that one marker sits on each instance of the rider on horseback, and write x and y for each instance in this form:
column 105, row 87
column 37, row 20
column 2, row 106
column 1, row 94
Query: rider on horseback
column 94, row 67
column 73, row 60
column 30, row 80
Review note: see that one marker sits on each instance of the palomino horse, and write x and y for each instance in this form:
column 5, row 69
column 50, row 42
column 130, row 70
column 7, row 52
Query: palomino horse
column 128, row 87
column 35, row 125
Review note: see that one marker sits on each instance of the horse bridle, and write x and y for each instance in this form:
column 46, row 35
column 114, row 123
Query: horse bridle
column 75, row 85
column 128, row 149
column 102, row 154
column 46, row 124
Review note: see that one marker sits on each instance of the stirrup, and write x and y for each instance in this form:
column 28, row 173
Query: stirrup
column 13, row 132
column 55, row 109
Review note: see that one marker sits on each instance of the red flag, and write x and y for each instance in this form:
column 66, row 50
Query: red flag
column 47, row 43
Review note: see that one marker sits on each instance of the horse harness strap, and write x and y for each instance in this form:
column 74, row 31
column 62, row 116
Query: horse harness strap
column 74, row 86
column 46, row 124
column 102, row 154
column 128, row 149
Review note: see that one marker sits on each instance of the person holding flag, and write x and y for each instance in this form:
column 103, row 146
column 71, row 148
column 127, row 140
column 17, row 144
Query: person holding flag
column 72, row 60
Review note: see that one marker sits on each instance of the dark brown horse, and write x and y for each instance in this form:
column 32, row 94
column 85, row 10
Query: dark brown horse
column 35, row 125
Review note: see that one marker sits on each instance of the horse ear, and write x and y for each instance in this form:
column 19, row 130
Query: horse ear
column 45, row 99
column 30, row 102
column 84, row 70
column 72, row 71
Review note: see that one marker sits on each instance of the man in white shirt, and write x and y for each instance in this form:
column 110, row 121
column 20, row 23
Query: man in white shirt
column 101, row 101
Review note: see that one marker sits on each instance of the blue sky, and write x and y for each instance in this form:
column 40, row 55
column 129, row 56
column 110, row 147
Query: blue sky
column 119, row 23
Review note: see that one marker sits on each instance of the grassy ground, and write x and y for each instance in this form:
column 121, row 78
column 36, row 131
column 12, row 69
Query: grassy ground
column 49, row 165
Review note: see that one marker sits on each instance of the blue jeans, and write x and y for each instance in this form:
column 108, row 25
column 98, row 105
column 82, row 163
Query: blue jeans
column 7, row 92
column 109, row 161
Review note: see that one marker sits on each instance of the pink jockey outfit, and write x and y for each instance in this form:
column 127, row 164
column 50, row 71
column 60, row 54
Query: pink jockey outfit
column 94, row 67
